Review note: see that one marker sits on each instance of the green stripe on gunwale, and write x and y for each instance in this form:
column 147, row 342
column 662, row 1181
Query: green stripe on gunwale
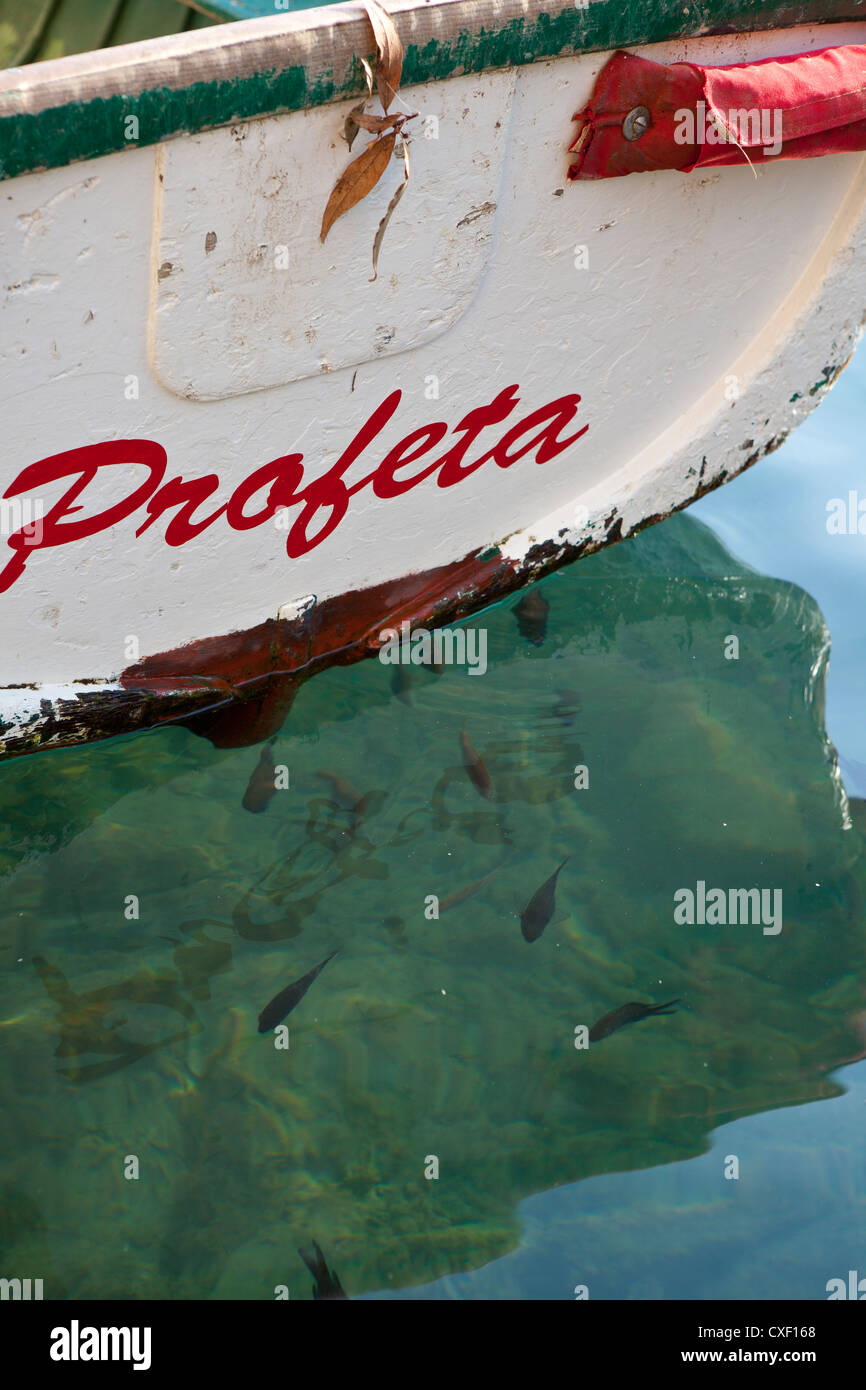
column 85, row 130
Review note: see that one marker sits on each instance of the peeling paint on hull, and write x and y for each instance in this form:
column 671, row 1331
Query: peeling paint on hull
column 149, row 281
column 237, row 690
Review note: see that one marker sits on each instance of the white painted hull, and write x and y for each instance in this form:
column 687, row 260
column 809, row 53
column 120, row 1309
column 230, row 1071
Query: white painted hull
column 179, row 294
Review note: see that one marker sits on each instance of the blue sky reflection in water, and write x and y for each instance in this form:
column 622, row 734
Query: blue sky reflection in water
column 455, row 1037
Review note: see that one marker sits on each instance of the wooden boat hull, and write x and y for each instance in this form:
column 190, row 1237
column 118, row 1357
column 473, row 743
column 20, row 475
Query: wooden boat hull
column 245, row 459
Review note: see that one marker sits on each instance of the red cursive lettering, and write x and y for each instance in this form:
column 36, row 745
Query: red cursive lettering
column 86, row 462
column 452, row 470
column 384, row 482
column 560, row 413
column 330, row 490
column 283, row 478
column 287, row 473
column 186, row 496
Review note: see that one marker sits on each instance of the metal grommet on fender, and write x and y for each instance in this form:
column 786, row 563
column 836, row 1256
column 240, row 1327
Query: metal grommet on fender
column 636, row 123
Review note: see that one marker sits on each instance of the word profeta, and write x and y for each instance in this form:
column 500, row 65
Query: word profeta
column 280, row 484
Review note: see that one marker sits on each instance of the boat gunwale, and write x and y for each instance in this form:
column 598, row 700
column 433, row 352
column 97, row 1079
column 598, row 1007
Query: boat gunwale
column 62, row 110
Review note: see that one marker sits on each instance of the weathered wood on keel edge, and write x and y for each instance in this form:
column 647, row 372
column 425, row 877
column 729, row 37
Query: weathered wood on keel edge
column 60, row 111
column 235, row 709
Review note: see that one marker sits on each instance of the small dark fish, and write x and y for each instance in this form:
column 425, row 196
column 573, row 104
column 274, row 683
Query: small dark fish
column 401, row 684
column 531, row 614
column 347, row 795
column 628, row 1013
column 567, row 706
column 327, row 1283
column 475, row 766
column 288, row 998
column 261, row 786
column 469, row 891
column 539, row 910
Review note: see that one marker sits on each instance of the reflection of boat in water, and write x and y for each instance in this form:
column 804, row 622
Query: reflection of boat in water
column 451, row 1038
column 194, row 370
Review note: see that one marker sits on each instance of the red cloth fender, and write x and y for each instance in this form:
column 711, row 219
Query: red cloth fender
column 814, row 102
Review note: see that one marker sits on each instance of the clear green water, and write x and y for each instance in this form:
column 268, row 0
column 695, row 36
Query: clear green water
column 452, row 1038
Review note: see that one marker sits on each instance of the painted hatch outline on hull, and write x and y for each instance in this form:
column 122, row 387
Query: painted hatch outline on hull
column 621, row 518
column 255, row 330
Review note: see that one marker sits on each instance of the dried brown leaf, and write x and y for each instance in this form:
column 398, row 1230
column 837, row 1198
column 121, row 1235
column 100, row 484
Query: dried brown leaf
column 351, row 125
column 389, row 68
column 378, row 123
column 356, row 182
column 383, row 225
